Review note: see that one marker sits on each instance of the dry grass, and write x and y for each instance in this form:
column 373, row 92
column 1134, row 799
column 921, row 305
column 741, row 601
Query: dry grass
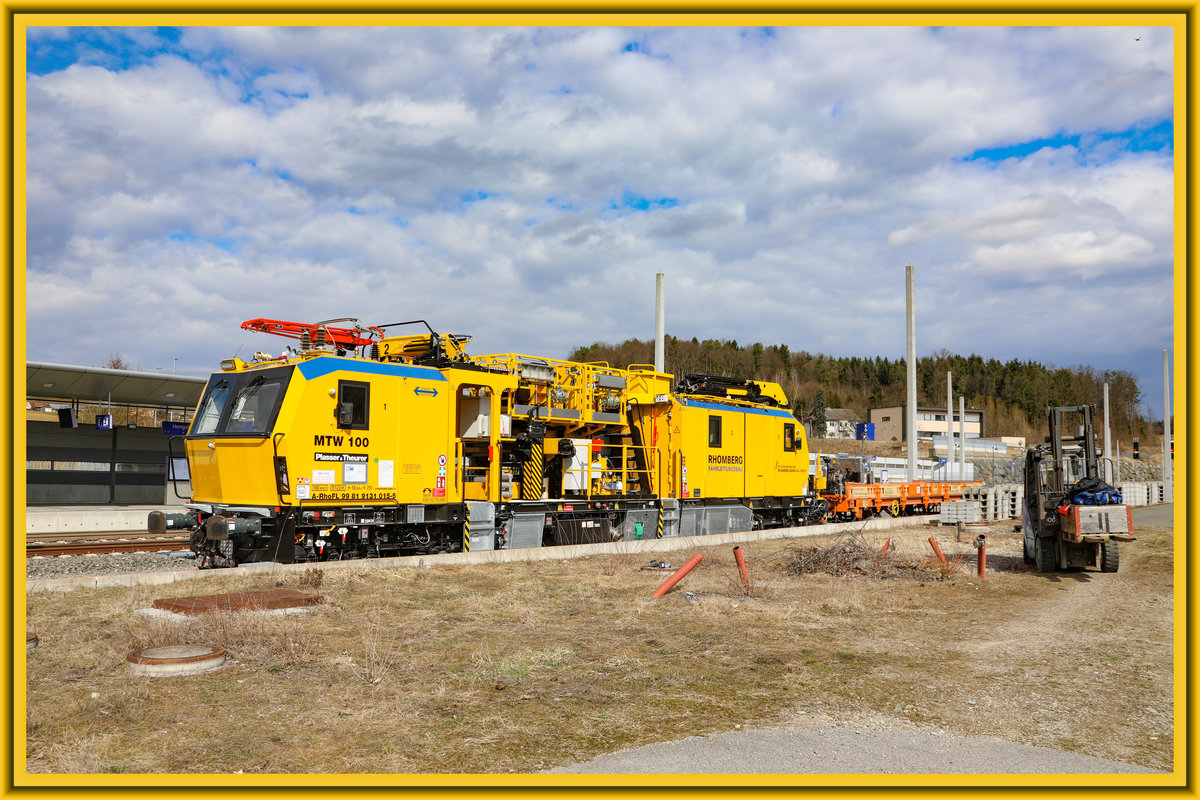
column 852, row 554
column 519, row 667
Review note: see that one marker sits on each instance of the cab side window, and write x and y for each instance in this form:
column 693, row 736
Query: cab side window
column 789, row 437
column 354, row 398
column 714, row 431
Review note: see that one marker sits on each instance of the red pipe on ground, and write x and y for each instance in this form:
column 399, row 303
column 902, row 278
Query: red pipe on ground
column 674, row 579
column 885, row 547
column 937, row 550
column 982, row 561
column 741, row 562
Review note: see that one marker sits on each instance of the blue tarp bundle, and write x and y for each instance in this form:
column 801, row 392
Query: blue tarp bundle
column 1103, row 497
column 1093, row 492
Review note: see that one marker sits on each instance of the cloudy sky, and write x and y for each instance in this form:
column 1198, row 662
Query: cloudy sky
column 524, row 185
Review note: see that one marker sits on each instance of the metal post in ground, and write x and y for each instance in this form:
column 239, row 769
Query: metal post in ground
column 962, row 437
column 1108, row 466
column 910, row 412
column 950, row 459
column 1168, row 467
column 660, row 325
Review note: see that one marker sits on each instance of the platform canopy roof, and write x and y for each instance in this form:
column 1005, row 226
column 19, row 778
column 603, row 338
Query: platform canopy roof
column 91, row 384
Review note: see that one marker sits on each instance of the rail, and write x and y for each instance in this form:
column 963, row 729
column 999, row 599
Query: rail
column 67, row 544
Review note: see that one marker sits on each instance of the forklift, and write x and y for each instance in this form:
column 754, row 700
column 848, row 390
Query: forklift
column 1071, row 517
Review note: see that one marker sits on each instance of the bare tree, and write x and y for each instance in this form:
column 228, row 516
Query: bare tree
column 117, row 361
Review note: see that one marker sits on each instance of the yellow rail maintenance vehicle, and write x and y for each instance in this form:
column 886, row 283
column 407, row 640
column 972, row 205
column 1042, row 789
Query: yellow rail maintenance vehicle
column 359, row 443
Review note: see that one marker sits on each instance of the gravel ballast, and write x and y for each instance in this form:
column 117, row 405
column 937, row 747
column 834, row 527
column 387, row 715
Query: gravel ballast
column 42, row 567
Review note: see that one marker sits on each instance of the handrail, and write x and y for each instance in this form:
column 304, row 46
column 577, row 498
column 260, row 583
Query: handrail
column 624, row 470
column 171, row 466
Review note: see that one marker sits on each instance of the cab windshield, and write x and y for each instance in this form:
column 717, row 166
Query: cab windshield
column 244, row 404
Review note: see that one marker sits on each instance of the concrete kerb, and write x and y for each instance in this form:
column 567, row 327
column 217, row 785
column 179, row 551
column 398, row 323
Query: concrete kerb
column 131, row 579
column 42, row 521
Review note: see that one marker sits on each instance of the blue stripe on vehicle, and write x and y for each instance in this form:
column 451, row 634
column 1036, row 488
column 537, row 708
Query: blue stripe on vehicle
column 770, row 412
column 319, row 367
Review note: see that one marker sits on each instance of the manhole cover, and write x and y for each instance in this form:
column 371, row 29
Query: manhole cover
column 268, row 600
column 176, row 659
column 30, row 642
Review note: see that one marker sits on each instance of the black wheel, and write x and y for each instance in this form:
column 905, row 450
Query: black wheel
column 1046, row 553
column 1110, row 557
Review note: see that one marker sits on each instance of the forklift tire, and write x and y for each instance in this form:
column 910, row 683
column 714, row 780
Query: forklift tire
column 1110, row 557
column 1046, row 554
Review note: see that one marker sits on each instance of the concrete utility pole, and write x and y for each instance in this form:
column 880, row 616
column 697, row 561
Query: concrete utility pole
column 1168, row 467
column 962, row 438
column 1108, row 463
column 660, row 325
column 910, row 412
column 950, row 459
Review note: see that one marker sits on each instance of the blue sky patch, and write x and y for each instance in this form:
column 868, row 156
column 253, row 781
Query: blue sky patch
column 118, row 49
column 457, row 202
column 226, row 243
column 636, row 202
column 642, row 48
column 1093, row 145
column 759, row 34
column 112, row 48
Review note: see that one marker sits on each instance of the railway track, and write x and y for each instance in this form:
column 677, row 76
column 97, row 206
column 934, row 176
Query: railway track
column 74, row 544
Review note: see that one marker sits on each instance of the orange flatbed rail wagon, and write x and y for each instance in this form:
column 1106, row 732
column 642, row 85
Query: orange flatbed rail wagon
column 872, row 499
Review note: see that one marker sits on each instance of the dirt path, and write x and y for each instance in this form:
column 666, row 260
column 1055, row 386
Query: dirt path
column 1069, row 667
column 852, row 749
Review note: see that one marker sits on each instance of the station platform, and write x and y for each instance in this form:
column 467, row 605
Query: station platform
column 77, row 519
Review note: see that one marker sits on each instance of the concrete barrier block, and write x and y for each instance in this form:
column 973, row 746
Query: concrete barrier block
column 955, row 511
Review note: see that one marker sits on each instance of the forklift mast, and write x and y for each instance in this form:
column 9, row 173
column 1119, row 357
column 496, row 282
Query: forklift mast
column 1074, row 454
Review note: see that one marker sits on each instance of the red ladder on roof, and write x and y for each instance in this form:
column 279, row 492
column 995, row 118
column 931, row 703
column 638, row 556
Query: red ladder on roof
column 342, row 337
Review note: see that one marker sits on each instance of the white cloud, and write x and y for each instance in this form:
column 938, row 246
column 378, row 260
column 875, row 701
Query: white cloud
column 468, row 176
